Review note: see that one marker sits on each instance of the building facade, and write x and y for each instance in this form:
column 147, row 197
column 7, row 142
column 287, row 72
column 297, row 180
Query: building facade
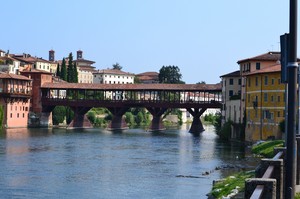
column 264, row 104
column 84, row 68
column 15, row 93
column 113, row 76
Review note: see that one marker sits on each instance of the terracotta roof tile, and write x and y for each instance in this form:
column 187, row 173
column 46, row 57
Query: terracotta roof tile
column 13, row 76
column 185, row 87
column 270, row 69
column 113, row 71
column 270, row 56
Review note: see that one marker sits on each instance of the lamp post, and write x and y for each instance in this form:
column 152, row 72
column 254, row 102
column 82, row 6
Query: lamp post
column 292, row 99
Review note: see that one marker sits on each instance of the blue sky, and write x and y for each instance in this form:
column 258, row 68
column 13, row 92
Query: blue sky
column 204, row 39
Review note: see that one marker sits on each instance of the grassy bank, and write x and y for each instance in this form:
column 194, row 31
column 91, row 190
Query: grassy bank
column 236, row 183
column 266, row 149
column 231, row 185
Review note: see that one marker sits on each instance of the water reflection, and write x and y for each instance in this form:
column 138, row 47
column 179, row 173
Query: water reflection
column 95, row 163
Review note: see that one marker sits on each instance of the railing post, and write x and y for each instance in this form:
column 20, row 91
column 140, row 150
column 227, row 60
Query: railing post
column 298, row 159
column 277, row 173
column 269, row 187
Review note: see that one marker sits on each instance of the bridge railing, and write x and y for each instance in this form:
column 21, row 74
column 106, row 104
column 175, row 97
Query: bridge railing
column 269, row 178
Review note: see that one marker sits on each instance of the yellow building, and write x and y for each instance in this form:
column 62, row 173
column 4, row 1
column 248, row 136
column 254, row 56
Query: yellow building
column 264, row 103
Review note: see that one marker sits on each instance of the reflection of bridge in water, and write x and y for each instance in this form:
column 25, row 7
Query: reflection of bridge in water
column 119, row 98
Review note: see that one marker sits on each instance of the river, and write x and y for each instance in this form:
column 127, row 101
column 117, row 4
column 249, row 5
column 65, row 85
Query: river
column 96, row 163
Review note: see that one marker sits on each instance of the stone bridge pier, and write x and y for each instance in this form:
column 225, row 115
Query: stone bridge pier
column 80, row 119
column 156, row 123
column 118, row 122
column 197, row 126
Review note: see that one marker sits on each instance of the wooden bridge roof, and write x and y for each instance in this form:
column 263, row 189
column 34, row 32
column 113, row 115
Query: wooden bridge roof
column 173, row 87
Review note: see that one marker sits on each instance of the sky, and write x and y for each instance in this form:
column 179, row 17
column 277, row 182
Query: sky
column 205, row 39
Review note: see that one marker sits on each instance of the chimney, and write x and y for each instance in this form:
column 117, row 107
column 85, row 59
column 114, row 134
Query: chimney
column 51, row 55
column 79, row 54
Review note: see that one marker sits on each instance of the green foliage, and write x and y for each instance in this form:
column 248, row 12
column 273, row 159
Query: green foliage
column 63, row 72
column 91, row 115
column 224, row 188
column 109, row 116
column 75, row 73
column 235, row 97
column 225, row 131
column 129, row 118
column 117, row 66
column 170, row 75
column 218, row 122
column 70, row 72
column 136, row 80
column 266, row 149
column 211, row 118
column 58, row 115
column 139, row 118
column 202, row 82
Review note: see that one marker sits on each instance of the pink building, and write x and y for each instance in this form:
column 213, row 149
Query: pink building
column 15, row 93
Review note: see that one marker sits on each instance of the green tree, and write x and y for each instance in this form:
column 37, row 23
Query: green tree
column 139, row 118
column 136, row 80
column 129, row 118
column 75, row 73
column 202, row 82
column 63, row 72
column 170, row 75
column 70, row 73
column 58, row 115
column 58, row 71
column 117, row 66
column 91, row 115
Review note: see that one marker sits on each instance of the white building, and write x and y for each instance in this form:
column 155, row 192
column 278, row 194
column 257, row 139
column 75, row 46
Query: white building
column 84, row 68
column 113, row 76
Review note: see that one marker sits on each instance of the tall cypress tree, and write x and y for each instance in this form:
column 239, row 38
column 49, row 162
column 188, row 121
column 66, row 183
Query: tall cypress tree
column 75, row 73
column 70, row 76
column 63, row 72
column 58, row 71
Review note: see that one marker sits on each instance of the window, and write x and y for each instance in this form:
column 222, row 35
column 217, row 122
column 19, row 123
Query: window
column 265, row 97
column 256, row 81
column 266, row 80
column 278, row 98
column 278, row 114
column 230, row 93
column 240, row 81
column 11, row 115
column 272, row 98
column 249, row 82
column 248, row 97
column 17, row 115
column 258, row 66
column 272, row 81
column 23, row 115
column 230, row 81
column 267, row 114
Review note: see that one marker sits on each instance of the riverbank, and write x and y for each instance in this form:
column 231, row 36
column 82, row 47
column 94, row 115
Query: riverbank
column 234, row 184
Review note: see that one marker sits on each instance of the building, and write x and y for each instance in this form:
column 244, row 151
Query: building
column 113, row 76
column 84, row 68
column 36, row 62
column 252, row 64
column 148, row 77
column 9, row 65
column 264, row 103
column 15, row 93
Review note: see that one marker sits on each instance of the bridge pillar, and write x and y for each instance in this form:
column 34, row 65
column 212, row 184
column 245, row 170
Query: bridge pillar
column 43, row 118
column 80, row 120
column 197, row 126
column 156, row 123
column 117, row 122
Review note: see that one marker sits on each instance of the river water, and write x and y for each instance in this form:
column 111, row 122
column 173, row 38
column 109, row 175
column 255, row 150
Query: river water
column 95, row 163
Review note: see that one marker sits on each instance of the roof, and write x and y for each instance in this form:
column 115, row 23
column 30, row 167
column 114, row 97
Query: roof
column 148, row 74
column 184, row 87
column 113, row 71
column 270, row 56
column 84, row 60
column 270, row 69
column 36, row 71
column 13, row 76
column 236, row 73
column 31, row 59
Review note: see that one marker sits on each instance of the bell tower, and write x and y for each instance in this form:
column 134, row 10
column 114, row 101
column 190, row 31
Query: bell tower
column 79, row 54
column 51, row 55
